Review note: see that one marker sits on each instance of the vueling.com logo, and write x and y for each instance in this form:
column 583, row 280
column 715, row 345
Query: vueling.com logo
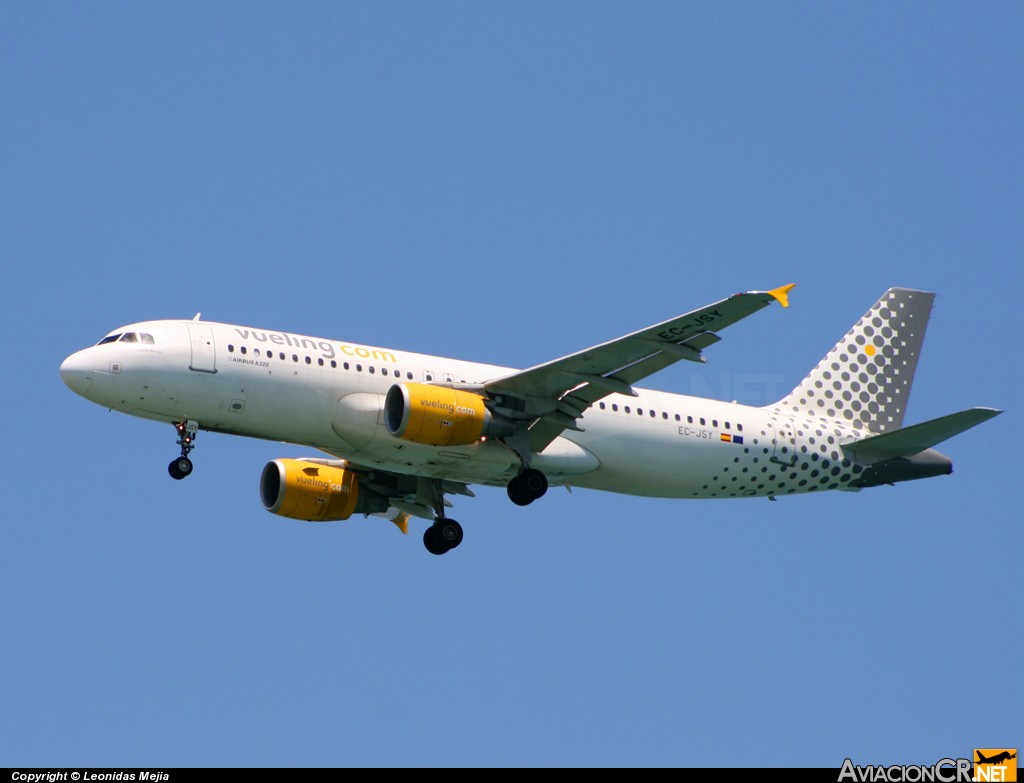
column 998, row 764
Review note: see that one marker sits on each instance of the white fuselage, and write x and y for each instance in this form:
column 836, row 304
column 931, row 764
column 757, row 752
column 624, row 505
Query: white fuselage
column 329, row 395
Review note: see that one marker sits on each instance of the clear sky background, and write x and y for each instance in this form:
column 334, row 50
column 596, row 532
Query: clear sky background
column 508, row 183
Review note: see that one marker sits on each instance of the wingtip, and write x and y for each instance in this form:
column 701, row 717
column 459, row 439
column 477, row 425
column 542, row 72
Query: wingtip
column 781, row 294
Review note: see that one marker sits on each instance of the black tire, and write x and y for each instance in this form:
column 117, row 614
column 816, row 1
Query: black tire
column 179, row 468
column 430, row 541
column 517, row 494
column 533, row 482
column 448, row 533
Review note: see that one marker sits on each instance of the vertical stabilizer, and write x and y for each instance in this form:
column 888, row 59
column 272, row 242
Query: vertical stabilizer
column 866, row 377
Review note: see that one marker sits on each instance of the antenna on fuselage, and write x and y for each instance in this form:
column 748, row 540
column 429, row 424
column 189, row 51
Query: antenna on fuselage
column 197, row 317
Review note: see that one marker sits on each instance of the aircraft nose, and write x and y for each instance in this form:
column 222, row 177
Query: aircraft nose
column 76, row 372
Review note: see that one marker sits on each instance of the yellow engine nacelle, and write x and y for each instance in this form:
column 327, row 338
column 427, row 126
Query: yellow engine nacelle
column 316, row 493
column 439, row 416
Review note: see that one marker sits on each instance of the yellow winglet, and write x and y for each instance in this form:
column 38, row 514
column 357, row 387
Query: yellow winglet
column 402, row 522
column 782, row 293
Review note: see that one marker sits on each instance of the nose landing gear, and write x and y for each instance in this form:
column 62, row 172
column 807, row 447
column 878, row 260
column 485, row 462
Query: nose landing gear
column 182, row 466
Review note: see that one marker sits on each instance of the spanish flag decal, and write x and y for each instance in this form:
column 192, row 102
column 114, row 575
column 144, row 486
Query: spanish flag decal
column 727, row 438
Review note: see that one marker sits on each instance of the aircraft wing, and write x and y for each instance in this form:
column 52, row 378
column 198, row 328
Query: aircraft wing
column 408, row 494
column 561, row 390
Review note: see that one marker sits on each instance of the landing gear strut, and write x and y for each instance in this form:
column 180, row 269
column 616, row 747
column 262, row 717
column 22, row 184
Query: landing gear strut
column 182, row 466
column 445, row 534
column 527, row 487
column 531, row 483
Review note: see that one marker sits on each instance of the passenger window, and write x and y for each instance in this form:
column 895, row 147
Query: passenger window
column 653, row 414
column 345, row 365
column 308, row 360
column 408, row 375
column 702, row 422
column 334, row 364
column 295, row 357
column 383, row 370
column 281, row 354
column 689, row 419
column 231, row 348
column 601, row 405
column 320, row 362
column 625, row 408
column 370, row 369
column 615, row 407
column 255, row 351
column 359, row 368
column 242, row 349
column 639, row 411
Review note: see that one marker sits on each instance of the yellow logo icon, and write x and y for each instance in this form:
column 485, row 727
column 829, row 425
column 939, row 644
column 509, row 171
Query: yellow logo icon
column 995, row 764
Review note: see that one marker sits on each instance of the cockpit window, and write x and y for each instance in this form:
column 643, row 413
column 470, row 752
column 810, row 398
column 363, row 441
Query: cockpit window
column 128, row 337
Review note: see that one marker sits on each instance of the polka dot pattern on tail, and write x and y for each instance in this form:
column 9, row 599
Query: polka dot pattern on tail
column 865, row 379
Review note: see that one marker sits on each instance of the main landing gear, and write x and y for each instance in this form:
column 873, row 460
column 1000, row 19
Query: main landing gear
column 445, row 534
column 527, row 487
column 182, row 466
column 442, row 536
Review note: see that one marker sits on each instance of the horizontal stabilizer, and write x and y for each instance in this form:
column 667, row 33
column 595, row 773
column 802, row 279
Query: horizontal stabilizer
column 912, row 440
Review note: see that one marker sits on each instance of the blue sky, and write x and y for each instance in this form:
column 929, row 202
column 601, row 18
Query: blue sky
column 506, row 182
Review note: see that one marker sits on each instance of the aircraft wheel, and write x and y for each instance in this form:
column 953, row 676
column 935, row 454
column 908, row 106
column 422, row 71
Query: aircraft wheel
column 534, row 482
column 527, row 487
column 180, row 467
column 433, row 545
column 448, row 532
column 517, row 494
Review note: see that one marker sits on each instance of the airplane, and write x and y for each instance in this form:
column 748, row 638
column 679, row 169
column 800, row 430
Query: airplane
column 400, row 432
column 999, row 758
